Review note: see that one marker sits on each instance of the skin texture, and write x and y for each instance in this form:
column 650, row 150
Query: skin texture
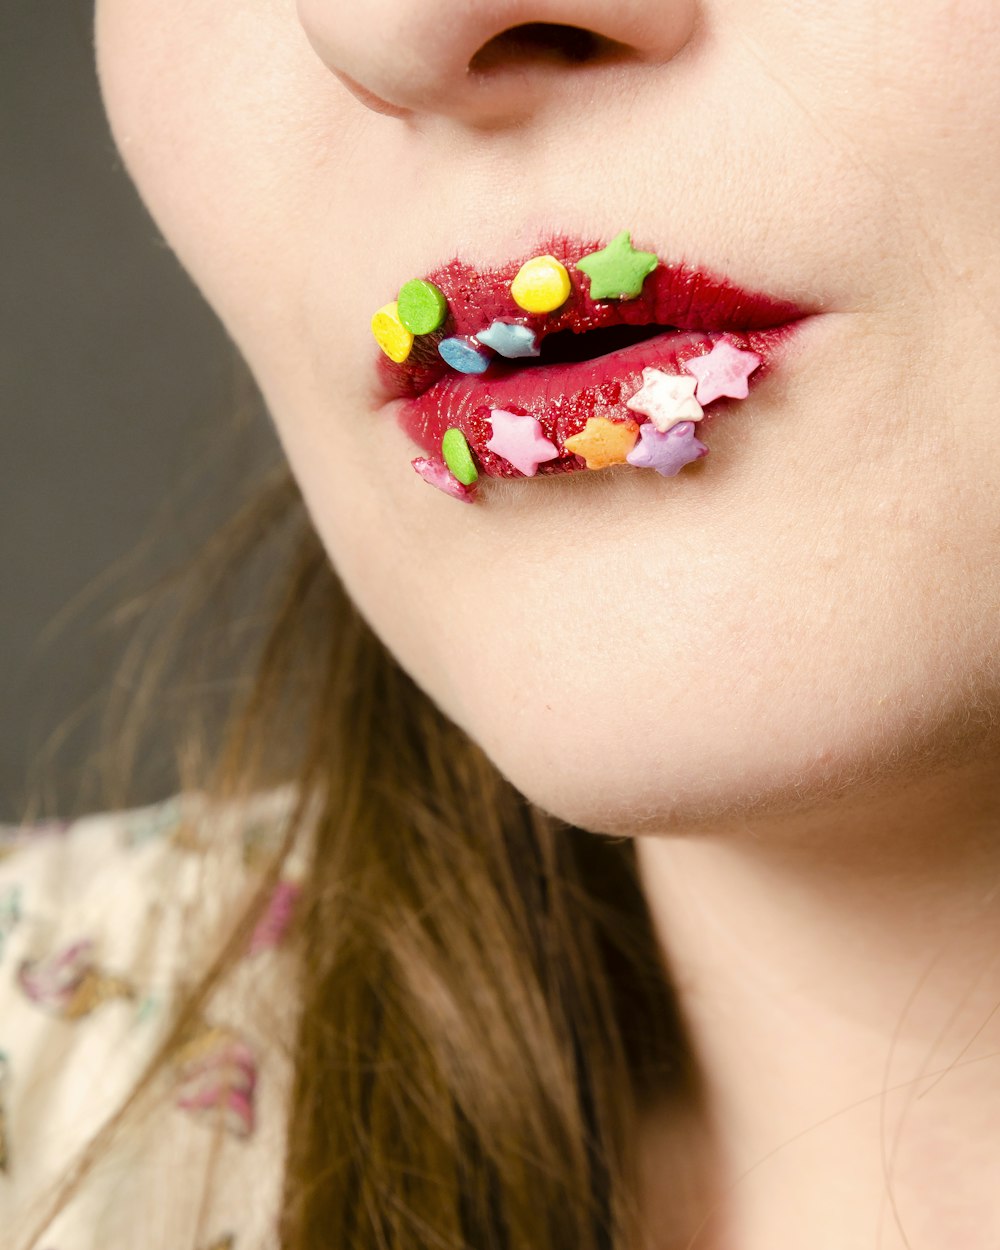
column 778, row 670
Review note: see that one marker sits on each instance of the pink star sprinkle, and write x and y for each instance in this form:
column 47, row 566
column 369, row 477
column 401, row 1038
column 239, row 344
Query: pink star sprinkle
column 437, row 473
column 519, row 439
column 723, row 371
column 666, row 398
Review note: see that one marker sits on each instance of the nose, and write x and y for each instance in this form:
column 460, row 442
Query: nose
column 487, row 61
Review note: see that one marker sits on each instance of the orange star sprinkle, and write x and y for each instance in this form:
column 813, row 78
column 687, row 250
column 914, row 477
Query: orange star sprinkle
column 602, row 442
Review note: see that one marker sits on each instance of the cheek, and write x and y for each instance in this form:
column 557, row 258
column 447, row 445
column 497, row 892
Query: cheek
column 206, row 106
column 942, row 85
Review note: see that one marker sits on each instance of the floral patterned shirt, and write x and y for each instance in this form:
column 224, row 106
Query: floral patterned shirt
column 104, row 921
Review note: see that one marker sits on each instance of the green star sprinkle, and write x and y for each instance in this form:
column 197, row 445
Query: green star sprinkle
column 458, row 457
column 618, row 270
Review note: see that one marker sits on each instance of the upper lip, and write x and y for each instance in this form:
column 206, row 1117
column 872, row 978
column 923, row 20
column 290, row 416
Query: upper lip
column 673, row 295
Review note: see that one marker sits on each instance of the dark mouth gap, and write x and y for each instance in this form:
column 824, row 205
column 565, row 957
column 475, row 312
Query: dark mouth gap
column 571, row 347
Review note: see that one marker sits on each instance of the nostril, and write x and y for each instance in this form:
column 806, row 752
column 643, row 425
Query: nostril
column 552, row 42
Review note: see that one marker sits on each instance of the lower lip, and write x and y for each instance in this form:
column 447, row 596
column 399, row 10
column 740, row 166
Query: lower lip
column 563, row 396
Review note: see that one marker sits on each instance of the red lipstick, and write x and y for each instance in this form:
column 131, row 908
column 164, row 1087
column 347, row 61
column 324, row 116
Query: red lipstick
column 592, row 352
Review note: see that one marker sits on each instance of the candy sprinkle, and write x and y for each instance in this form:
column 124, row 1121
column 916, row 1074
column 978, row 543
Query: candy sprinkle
column 602, row 442
column 520, row 441
column 511, row 341
column 390, row 333
column 463, row 356
column 668, row 452
column 725, row 370
column 541, row 285
column 618, row 270
column 437, row 474
column 666, row 398
column 458, row 457
column 422, row 306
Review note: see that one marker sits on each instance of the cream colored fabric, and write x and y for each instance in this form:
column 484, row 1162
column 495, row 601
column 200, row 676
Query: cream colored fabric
column 103, row 923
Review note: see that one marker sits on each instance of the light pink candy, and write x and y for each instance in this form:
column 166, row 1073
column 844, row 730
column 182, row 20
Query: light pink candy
column 722, row 371
column 519, row 440
column 437, row 473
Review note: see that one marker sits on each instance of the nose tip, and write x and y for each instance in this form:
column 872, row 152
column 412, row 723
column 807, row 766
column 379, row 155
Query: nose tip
column 478, row 60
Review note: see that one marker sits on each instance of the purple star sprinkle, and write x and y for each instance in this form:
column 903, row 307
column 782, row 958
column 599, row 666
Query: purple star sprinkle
column 666, row 453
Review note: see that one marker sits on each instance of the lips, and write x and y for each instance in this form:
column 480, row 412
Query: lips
column 592, row 352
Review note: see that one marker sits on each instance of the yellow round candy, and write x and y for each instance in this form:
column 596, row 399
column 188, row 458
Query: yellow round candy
column 541, row 285
column 390, row 333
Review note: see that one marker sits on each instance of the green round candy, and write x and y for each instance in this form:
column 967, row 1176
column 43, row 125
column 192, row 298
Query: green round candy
column 422, row 306
column 458, row 457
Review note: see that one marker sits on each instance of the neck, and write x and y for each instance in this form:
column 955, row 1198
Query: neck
column 839, row 972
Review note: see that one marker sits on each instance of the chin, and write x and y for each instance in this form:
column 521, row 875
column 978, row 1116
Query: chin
column 625, row 767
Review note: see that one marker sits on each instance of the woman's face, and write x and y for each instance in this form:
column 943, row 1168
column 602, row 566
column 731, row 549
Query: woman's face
column 818, row 599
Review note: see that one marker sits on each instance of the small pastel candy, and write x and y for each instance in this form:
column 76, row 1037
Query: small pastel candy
column 519, row 440
column 422, row 306
column 463, row 355
column 390, row 333
column 541, row 285
column 435, row 473
column 724, row 370
column 668, row 452
column 458, row 457
column 618, row 270
column 511, row 341
column 602, row 442
column 666, row 398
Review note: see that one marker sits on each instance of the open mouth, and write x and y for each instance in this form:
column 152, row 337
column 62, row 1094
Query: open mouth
column 584, row 368
column 573, row 346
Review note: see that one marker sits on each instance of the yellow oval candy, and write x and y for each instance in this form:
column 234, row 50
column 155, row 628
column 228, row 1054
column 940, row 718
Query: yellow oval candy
column 541, row 285
column 390, row 333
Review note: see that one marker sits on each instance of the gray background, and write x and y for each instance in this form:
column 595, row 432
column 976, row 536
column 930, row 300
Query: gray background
column 117, row 386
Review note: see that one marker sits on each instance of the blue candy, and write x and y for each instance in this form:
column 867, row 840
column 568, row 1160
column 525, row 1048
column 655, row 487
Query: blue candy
column 509, row 340
column 463, row 356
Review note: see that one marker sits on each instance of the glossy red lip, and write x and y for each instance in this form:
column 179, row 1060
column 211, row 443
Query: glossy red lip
column 433, row 397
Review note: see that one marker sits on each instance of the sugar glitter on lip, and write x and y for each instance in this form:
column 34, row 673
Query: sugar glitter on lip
column 728, row 334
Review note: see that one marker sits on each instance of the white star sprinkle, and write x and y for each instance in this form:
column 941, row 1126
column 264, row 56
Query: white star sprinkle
column 666, row 398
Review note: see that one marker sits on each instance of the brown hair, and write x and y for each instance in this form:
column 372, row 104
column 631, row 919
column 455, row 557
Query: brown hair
column 486, row 1018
